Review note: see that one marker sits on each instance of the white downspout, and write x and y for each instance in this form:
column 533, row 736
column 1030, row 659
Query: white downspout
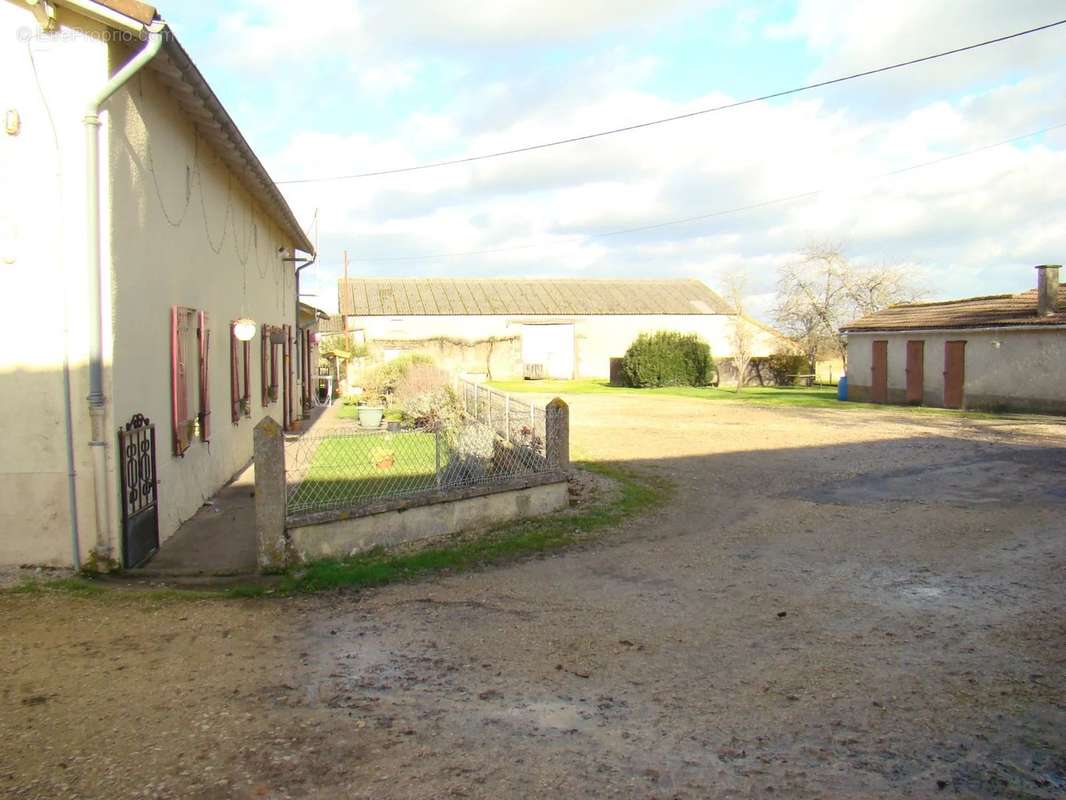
column 100, row 280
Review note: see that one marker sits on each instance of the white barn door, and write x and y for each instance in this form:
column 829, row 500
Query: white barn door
column 552, row 346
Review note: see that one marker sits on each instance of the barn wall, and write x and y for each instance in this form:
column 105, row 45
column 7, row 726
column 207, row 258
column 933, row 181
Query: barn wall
column 464, row 342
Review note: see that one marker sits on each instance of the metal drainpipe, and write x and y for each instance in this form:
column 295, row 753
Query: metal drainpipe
column 99, row 282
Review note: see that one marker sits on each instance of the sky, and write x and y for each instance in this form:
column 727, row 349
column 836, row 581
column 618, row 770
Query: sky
column 351, row 86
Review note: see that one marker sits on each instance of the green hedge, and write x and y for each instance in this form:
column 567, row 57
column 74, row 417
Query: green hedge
column 778, row 369
column 665, row 358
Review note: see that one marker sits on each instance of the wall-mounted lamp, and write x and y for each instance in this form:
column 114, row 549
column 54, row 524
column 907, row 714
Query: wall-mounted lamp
column 244, row 329
column 996, row 343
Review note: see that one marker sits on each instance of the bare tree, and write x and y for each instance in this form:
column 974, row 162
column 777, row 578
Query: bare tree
column 824, row 291
column 742, row 332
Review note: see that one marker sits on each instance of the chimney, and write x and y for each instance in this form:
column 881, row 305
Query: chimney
column 1047, row 290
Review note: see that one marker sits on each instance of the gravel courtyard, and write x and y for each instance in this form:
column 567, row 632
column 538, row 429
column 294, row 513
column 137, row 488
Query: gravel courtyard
column 833, row 603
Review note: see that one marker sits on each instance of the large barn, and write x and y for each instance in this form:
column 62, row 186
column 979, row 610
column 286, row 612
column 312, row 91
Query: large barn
column 557, row 328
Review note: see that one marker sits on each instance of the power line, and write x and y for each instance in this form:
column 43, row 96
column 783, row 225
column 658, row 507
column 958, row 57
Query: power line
column 675, row 118
column 721, row 212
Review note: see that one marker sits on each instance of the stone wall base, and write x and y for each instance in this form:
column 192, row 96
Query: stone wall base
column 339, row 536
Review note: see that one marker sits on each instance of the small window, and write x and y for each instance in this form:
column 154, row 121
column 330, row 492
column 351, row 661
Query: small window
column 271, row 337
column 190, row 345
column 240, row 377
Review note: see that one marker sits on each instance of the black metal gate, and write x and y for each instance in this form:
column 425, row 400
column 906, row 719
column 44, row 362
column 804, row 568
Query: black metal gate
column 140, row 512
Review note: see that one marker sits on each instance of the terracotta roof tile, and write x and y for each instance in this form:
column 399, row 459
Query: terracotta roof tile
column 973, row 312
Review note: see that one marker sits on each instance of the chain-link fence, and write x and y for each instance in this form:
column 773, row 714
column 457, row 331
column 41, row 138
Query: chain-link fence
column 510, row 417
column 495, row 441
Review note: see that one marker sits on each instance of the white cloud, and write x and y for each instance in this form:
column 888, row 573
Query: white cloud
column 967, row 226
column 387, row 79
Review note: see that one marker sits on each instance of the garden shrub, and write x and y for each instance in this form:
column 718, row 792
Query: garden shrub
column 783, row 366
column 424, row 395
column 777, row 370
column 666, row 358
column 380, row 382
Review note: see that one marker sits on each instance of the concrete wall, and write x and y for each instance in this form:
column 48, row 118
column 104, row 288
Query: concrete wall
column 346, row 537
column 43, row 283
column 146, row 149
column 463, row 343
column 185, row 232
column 1005, row 370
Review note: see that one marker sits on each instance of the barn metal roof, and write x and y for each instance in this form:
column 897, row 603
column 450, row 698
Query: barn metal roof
column 373, row 297
column 1001, row 310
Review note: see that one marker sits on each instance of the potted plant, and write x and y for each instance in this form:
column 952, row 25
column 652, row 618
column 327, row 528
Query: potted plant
column 371, row 410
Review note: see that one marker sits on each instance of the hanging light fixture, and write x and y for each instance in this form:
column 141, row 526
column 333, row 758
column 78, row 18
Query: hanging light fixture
column 244, row 329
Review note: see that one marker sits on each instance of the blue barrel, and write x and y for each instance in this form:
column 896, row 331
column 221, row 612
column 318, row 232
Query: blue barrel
column 842, row 388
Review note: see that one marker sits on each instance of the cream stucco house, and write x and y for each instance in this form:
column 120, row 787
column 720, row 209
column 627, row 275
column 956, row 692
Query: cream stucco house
column 1000, row 353
column 136, row 227
column 555, row 328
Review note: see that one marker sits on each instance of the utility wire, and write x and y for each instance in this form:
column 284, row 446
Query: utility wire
column 687, row 115
column 721, row 212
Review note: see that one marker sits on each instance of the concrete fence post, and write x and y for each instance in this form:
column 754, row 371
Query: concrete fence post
column 270, row 495
column 557, row 434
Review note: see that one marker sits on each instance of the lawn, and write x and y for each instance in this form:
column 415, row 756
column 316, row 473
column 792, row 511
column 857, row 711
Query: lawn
column 792, row 396
column 347, row 469
column 816, row 397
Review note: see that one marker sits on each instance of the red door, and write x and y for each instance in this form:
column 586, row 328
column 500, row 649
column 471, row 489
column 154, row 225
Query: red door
column 915, row 372
column 954, row 373
column 879, row 372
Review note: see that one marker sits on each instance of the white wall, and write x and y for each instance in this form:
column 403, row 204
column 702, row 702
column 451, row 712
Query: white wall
column 184, row 232
column 42, row 267
column 1020, row 369
column 155, row 264
column 598, row 338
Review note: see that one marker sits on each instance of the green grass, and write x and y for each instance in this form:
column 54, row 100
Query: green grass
column 353, row 468
column 785, row 396
column 93, row 588
column 638, row 494
column 817, row 396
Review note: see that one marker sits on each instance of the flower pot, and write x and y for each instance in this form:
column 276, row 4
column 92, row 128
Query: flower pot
column 370, row 416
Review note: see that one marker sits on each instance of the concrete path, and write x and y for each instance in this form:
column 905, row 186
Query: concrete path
column 219, row 539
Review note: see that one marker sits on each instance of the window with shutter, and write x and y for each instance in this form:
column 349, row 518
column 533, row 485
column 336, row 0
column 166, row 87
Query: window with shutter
column 235, row 395
column 246, row 397
column 184, row 380
column 203, row 335
column 264, row 379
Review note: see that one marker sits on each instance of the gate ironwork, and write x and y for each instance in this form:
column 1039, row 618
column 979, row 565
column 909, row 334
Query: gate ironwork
column 140, row 511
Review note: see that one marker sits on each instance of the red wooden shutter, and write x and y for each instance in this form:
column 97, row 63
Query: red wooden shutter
column 273, row 368
column 179, row 398
column 204, row 335
column 247, row 395
column 286, row 378
column 264, row 343
column 234, row 377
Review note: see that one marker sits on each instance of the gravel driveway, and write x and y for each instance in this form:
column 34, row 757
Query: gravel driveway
column 835, row 603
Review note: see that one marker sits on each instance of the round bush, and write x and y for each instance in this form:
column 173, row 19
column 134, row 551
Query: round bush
column 666, row 358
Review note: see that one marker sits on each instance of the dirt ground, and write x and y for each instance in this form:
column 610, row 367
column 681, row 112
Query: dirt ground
column 834, row 603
